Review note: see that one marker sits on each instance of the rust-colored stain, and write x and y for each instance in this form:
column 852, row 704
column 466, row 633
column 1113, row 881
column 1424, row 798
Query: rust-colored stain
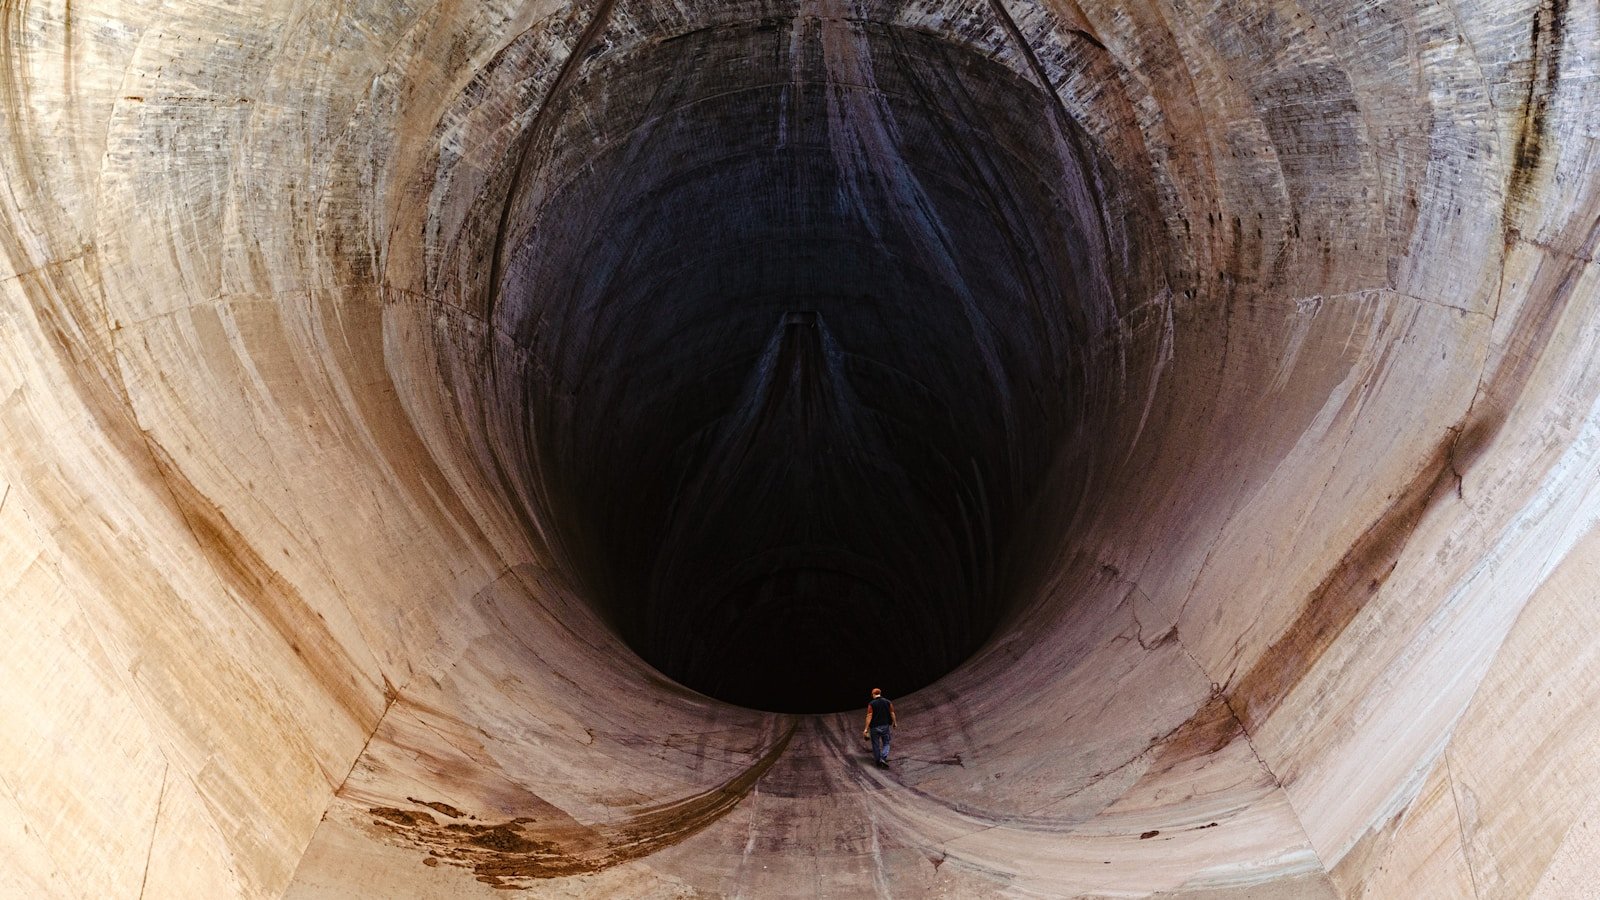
column 509, row 853
column 1367, row 564
column 70, row 316
column 1212, row 727
column 1364, row 568
column 270, row 596
column 400, row 816
column 443, row 808
column 1342, row 593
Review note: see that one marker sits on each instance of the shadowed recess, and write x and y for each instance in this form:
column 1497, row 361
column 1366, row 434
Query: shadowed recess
column 806, row 305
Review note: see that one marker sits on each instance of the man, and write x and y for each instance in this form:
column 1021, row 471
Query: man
column 880, row 722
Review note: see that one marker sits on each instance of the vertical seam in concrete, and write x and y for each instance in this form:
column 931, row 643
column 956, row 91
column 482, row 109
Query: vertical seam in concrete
column 333, row 795
column 391, row 695
column 1477, row 59
column 1461, row 824
column 1483, row 374
column 1218, row 692
column 388, row 705
column 1260, row 760
column 155, row 825
column 1014, row 32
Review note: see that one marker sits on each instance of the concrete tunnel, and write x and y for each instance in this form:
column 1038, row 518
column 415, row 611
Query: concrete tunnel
column 460, row 449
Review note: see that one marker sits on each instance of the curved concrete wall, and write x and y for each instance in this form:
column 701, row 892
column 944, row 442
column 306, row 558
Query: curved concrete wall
column 1250, row 345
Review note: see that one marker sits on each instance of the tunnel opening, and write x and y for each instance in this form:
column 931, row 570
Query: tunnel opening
column 334, row 479
column 800, row 308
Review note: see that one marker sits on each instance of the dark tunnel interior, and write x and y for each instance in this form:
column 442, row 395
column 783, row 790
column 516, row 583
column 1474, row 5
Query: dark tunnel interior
column 808, row 308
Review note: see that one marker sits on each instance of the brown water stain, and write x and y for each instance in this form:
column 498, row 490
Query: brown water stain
column 271, row 597
column 1212, row 727
column 1342, row 593
column 1536, row 323
column 67, row 298
column 403, row 817
column 1364, row 568
column 442, row 808
column 509, row 853
column 1548, row 35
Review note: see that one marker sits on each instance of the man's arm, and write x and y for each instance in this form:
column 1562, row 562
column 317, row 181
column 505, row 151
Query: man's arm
column 892, row 721
column 866, row 727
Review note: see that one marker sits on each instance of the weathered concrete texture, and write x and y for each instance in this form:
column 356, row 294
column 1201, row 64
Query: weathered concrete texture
column 392, row 391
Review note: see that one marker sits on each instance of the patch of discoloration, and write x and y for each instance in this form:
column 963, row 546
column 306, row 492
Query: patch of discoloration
column 1549, row 33
column 401, row 817
column 1549, row 296
column 1367, row 564
column 1212, row 727
column 509, row 853
column 441, row 808
column 1358, row 576
column 304, row 630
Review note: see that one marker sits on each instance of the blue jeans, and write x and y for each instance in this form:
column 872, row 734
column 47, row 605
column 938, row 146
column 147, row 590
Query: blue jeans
column 880, row 743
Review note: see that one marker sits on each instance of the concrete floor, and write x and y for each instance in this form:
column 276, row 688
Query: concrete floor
column 460, row 449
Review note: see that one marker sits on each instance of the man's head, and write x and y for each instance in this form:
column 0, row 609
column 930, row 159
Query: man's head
column 876, row 693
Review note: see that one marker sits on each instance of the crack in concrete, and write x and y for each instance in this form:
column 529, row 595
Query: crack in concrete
column 1262, row 762
column 155, row 825
column 1450, row 455
column 50, row 266
column 1461, row 825
column 391, row 695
